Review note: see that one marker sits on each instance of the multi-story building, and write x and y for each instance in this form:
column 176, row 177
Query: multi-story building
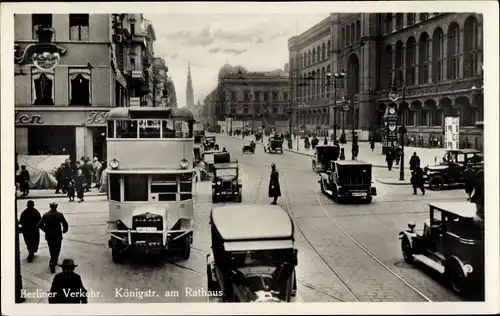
column 159, row 80
column 62, row 110
column 250, row 97
column 171, row 95
column 436, row 58
column 139, row 34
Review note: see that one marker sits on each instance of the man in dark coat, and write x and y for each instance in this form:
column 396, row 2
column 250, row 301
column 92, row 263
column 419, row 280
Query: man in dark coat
column 325, row 141
column 414, row 161
column 29, row 220
column 67, row 286
column 389, row 157
column 417, row 179
column 469, row 181
column 372, row 143
column 355, row 151
column 80, row 183
column 54, row 225
column 24, row 181
column 60, row 178
column 87, row 173
column 274, row 184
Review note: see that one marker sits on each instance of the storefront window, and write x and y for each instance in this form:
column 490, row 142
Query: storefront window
column 111, row 129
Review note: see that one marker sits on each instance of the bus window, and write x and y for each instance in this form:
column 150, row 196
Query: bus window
column 165, row 185
column 126, row 129
column 186, row 186
column 114, row 188
column 149, row 129
column 111, row 129
column 135, row 188
column 168, row 129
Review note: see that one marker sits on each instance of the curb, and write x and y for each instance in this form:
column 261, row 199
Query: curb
column 393, row 182
column 54, row 196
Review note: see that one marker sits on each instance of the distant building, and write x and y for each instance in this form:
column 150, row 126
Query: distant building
column 252, row 97
column 437, row 56
column 158, row 82
column 189, row 90
column 171, row 94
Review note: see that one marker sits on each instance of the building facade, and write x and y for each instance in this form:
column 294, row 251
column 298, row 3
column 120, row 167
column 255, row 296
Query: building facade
column 159, row 81
column 63, row 110
column 436, row 58
column 171, row 94
column 251, row 97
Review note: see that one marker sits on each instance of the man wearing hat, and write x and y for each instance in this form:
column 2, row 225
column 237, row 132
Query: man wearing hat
column 30, row 217
column 67, row 286
column 51, row 224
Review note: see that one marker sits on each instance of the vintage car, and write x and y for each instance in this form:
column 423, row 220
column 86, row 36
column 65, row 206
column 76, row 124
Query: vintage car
column 323, row 156
column 450, row 243
column 198, row 148
column 249, row 148
column 249, row 264
column 274, row 145
column 451, row 168
column 207, row 170
column 348, row 179
column 210, row 143
column 226, row 183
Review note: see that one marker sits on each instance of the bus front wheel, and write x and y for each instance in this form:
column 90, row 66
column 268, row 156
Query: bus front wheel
column 116, row 255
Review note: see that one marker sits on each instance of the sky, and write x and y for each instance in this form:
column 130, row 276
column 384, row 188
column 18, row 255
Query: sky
column 258, row 42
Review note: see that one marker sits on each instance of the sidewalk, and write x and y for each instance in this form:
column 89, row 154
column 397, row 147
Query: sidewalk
column 49, row 194
column 427, row 155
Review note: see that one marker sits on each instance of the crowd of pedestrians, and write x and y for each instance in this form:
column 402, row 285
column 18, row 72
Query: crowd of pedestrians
column 78, row 176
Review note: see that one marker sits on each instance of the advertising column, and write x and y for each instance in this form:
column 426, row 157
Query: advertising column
column 452, row 132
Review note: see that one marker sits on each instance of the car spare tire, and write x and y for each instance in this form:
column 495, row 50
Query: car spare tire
column 436, row 183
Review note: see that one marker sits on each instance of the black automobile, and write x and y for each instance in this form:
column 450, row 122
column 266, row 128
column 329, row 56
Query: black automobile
column 253, row 257
column 249, row 148
column 323, row 156
column 450, row 170
column 348, row 179
column 226, row 183
column 275, row 145
column 210, row 142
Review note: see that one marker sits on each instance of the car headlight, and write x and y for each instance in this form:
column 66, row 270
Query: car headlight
column 234, row 182
column 468, row 268
column 218, row 183
column 114, row 164
column 184, row 163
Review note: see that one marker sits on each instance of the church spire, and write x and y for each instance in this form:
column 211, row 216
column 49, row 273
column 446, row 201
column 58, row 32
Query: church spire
column 189, row 89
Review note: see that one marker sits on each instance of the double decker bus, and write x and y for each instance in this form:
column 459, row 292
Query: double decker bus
column 150, row 181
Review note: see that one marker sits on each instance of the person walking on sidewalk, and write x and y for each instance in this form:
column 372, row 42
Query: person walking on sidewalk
column 274, row 185
column 325, row 141
column 417, row 179
column 469, row 181
column 372, row 143
column 355, row 151
column 29, row 220
column 389, row 157
column 80, row 184
column 67, row 286
column 54, row 225
column 87, row 173
column 71, row 190
column 414, row 161
column 24, row 181
column 96, row 172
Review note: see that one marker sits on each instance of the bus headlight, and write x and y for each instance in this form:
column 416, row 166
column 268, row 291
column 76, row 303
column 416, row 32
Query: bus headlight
column 184, row 163
column 114, row 164
column 218, row 183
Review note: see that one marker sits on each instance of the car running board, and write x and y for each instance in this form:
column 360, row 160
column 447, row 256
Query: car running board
column 430, row 263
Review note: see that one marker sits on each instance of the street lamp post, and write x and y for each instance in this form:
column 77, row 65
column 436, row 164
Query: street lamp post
column 394, row 96
column 336, row 76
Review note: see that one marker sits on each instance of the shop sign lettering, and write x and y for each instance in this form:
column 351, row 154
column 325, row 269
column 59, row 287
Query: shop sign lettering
column 97, row 117
column 23, row 118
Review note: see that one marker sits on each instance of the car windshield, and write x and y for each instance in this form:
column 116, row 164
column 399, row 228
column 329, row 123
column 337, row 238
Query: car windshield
column 326, row 153
column 197, row 139
column 233, row 172
column 259, row 257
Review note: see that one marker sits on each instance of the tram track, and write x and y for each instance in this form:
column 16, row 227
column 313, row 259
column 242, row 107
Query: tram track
column 351, row 238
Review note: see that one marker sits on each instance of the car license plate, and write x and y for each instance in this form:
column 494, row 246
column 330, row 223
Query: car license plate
column 146, row 229
column 358, row 194
column 224, row 193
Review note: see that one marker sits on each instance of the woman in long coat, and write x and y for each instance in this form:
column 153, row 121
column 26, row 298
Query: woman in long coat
column 274, row 184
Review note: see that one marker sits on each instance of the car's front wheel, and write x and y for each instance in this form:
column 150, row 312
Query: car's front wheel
column 436, row 183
